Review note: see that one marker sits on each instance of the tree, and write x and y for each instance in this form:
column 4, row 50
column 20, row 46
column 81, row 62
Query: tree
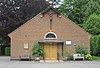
column 14, row 13
column 79, row 10
column 95, row 45
column 92, row 24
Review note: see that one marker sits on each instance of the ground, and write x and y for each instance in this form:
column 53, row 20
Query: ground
column 6, row 63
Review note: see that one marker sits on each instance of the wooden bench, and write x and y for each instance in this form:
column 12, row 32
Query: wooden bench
column 78, row 56
column 25, row 57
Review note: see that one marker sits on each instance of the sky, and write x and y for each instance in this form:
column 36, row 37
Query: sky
column 56, row 6
column 60, row 0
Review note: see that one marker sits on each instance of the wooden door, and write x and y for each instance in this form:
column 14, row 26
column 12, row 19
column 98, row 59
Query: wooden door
column 47, row 52
column 50, row 51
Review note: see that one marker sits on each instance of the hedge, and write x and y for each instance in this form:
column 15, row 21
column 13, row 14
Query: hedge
column 0, row 51
column 7, row 51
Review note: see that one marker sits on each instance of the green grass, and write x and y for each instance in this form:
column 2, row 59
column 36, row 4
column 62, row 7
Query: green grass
column 95, row 58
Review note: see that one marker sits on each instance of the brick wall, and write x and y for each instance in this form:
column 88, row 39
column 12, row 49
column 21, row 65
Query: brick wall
column 35, row 29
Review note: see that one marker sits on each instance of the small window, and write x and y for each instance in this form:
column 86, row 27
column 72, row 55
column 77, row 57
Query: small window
column 50, row 35
column 25, row 46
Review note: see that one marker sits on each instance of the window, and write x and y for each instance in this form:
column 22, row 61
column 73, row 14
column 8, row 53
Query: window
column 25, row 45
column 50, row 35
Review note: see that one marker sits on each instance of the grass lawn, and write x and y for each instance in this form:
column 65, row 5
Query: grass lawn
column 95, row 58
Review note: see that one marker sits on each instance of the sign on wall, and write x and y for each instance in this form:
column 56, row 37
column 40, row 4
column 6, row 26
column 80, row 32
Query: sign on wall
column 25, row 45
column 68, row 42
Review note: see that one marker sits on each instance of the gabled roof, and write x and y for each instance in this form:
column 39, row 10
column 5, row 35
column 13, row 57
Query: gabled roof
column 45, row 11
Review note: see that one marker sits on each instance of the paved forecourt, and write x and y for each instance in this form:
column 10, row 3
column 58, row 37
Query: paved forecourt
column 6, row 63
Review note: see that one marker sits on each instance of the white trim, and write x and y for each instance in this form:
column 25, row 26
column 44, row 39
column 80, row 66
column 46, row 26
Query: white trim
column 51, row 33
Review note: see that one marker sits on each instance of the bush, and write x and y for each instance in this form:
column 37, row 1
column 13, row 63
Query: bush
column 0, row 51
column 81, row 50
column 70, row 57
column 95, row 45
column 88, row 57
column 7, row 51
column 37, row 50
column 67, row 55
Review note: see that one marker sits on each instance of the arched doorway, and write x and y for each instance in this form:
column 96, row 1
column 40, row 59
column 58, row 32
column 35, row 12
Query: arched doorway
column 50, row 48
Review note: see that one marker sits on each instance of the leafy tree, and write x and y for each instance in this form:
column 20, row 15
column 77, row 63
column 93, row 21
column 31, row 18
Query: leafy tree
column 14, row 13
column 79, row 10
column 95, row 45
column 92, row 25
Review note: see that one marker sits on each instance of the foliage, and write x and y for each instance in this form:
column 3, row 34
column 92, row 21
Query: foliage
column 95, row 45
column 14, row 13
column 92, row 24
column 37, row 50
column 7, row 51
column 69, row 57
column 81, row 50
column 4, row 41
column 88, row 57
column 0, row 51
column 79, row 10
column 65, row 53
column 95, row 58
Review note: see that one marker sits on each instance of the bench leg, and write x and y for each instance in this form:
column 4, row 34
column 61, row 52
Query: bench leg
column 83, row 59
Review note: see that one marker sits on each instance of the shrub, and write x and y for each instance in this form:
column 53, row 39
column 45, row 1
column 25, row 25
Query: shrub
column 95, row 45
column 81, row 50
column 70, row 57
column 7, row 51
column 37, row 50
column 88, row 57
column 67, row 56
column 0, row 51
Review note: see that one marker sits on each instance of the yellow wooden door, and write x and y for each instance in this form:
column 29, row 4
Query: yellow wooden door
column 50, row 51
column 53, row 52
column 47, row 52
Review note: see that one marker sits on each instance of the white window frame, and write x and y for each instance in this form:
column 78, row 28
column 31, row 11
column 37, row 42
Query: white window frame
column 49, row 33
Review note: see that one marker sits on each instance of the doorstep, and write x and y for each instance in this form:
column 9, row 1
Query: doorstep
column 51, row 60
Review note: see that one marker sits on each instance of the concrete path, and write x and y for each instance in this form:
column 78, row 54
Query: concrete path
column 6, row 63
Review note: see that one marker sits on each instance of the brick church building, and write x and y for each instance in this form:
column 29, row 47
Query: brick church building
column 53, row 31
